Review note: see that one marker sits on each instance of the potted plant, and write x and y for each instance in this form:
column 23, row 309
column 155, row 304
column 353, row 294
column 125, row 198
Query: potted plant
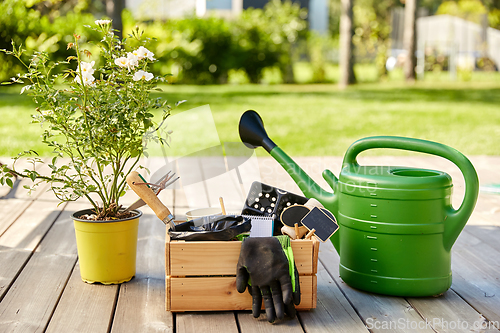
column 97, row 117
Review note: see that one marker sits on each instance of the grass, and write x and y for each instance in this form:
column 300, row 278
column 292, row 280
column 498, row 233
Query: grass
column 315, row 120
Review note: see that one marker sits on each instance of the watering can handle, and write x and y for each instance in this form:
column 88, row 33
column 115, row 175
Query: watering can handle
column 456, row 219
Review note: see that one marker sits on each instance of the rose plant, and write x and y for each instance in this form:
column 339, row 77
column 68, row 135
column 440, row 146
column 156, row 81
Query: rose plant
column 98, row 118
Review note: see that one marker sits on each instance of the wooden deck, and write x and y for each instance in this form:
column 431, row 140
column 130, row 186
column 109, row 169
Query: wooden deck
column 41, row 290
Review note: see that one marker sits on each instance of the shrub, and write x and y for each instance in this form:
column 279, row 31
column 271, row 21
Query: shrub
column 255, row 48
column 203, row 48
column 26, row 26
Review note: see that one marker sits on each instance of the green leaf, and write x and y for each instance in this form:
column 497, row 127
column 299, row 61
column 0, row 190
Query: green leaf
column 33, row 176
column 9, row 182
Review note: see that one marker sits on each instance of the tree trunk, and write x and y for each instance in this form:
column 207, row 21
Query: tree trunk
column 114, row 10
column 410, row 39
column 346, row 60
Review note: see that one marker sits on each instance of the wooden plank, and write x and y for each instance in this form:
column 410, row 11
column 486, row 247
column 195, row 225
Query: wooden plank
column 221, row 258
column 245, row 171
column 303, row 254
column 228, row 187
column 193, row 184
column 316, row 245
column 180, row 202
column 249, row 324
column 217, row 322
column 220, row 294
column 168, row 293
column 380, row 313
column 315, row 292
column 167, row 270
column 83, row 307
column 147, row 290
column 12, row 208
column 30, row 301
column 141, row 307
column 204, row 258
column 220, row 182
column 21, row 239
column 475, row 275
column 450, row 313
column 333, row 310
column 489, row 234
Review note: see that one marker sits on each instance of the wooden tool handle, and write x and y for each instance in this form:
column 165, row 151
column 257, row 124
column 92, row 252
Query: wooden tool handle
column 149, row 197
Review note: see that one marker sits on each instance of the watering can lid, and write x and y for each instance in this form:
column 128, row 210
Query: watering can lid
column 423, row 183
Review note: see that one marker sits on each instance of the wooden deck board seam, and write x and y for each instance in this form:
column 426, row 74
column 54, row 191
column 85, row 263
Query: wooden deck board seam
column 30, row 202
column 115, row 304
column 299, row 319
column 237, row 321
column 420, row 314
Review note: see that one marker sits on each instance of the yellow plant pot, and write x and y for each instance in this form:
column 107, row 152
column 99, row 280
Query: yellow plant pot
column 106, row 249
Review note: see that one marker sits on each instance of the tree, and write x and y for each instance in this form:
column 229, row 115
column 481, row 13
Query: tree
column 346, row 60
column 410, row 39
column 114, row 10
column 372, row 38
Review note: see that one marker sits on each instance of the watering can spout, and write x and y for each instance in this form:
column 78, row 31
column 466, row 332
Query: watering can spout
column 253, row 135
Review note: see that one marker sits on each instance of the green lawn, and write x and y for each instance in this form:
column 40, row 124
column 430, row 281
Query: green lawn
column 320, row 119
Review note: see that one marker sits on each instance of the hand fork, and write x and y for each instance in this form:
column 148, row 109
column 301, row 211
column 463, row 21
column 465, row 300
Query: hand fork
column 162, row 184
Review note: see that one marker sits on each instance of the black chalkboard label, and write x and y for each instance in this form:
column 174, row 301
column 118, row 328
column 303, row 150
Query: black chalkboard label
column 323, row 223
column 294, row 214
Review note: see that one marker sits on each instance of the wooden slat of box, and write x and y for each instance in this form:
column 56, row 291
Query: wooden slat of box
column 220, row 294
column 220, row 258
column 201, row 276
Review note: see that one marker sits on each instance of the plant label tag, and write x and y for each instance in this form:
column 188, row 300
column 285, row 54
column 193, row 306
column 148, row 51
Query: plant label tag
column 322, row 221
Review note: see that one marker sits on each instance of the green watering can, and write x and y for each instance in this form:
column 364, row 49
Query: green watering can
column 396, row 224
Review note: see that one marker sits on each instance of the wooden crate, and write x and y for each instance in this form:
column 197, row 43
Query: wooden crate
column 201, row 276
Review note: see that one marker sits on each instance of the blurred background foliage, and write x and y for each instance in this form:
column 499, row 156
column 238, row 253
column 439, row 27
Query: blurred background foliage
column 258, row 44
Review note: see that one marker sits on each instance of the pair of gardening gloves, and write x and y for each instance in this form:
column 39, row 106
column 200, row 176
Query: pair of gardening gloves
column 266, row 266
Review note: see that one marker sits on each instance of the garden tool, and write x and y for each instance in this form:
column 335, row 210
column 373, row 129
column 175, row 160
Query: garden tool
column 136, row 183
column 396, row 224
column 266, row 266
column 161, row 184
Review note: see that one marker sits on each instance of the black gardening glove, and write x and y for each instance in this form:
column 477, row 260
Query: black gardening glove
column 263, row 260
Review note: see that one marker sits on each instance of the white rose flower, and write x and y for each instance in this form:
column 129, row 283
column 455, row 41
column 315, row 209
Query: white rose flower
column 88, row 79
column 86, row 68
column 102, row 22
column 143, row 52
column 133, row 60
column 122, row 62
column 142, row 75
